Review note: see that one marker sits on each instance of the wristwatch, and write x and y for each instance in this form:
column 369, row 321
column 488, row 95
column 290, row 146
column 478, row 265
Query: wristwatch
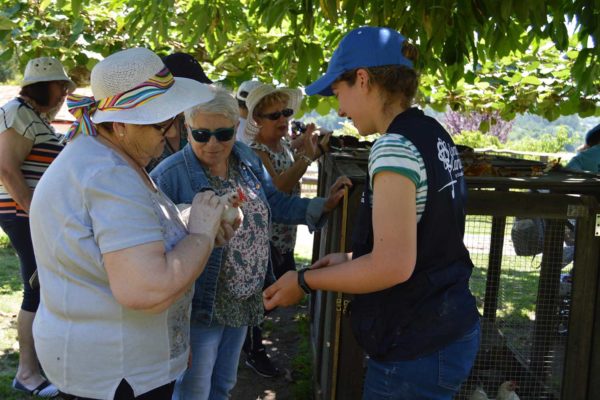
column 302, row 283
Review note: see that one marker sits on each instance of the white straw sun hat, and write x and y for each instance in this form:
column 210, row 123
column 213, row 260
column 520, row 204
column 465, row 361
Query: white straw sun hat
column 46, row 69
column 258, row 93
column 128, row 69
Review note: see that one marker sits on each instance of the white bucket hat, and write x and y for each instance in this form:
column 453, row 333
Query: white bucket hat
column 46, row 69
column 258, row 93
column 245, row 88
column 128, row 69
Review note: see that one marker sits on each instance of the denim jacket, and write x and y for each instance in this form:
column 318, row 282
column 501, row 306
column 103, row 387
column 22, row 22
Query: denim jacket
column 181, row 176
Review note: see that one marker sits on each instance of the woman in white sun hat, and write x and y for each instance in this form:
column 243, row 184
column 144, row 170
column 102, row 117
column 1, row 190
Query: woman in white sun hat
column 269, row 112
column 28, row 144
column 117, row 263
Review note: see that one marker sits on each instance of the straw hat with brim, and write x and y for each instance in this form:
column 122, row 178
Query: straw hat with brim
column 261, row 91
column 46, row 69
column 130, row 68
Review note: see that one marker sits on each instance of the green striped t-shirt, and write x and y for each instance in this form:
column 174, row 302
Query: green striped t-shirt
column 398, row 154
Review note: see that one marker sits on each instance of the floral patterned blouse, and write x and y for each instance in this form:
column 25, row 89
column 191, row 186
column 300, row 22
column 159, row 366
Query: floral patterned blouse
column 283, row 236
column 238, row 301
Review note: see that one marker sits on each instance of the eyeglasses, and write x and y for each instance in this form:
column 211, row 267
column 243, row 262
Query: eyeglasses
column 221, row 134
column 274, row 116
column 165, row 126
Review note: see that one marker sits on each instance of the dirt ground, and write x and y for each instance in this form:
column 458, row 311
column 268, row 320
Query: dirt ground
column 282, row 342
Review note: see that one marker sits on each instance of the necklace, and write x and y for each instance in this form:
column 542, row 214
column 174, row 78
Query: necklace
column 216, row 182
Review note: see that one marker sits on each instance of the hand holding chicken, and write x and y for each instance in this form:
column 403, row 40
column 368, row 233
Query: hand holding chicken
column 231, row 216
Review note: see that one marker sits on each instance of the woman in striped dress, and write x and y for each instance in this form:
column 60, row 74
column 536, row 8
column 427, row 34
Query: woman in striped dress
column 28, row 144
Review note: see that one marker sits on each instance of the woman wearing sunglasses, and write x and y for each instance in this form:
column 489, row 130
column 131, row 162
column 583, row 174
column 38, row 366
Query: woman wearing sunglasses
column 268, row 128
column 228, row 296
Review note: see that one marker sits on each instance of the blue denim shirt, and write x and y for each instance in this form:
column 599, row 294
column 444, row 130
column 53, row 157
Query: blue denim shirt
column 181, row 176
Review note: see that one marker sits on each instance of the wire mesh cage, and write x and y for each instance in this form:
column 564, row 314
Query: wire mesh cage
column 535, row 278
column 525, row 323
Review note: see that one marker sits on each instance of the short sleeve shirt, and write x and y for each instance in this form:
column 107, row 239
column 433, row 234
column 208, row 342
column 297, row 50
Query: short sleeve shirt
column 91, row 202
column 394, row 152
column 283, row 236
column 24, row 120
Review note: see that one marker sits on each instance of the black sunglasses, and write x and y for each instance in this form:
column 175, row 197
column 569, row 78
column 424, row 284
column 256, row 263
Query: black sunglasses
column 221, row 134
column 274, row 116
column 165, row 126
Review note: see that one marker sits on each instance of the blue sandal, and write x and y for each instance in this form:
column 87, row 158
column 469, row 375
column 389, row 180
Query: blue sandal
column 45, row 389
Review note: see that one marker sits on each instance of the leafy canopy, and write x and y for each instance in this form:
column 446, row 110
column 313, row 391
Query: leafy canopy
column 508, row 56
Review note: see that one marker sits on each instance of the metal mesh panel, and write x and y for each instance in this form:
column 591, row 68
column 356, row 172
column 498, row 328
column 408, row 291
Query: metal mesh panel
column 524, row 301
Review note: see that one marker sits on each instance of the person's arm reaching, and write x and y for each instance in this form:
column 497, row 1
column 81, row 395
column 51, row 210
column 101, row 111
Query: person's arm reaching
column 391, row 262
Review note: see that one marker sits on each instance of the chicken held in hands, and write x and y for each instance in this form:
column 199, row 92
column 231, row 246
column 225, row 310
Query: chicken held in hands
column 232, row 213
column 233, row 201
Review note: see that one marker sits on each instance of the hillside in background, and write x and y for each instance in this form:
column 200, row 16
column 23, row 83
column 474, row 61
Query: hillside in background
column 525, row 125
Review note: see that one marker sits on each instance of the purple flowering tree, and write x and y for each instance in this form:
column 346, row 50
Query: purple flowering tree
column 488, row 123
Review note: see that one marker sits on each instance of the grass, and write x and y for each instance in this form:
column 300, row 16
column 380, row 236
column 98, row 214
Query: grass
column 10, row 302
column 302, row 363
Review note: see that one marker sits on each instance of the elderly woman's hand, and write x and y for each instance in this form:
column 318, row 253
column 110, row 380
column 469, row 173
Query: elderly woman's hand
column 336, row 193
column 284, row 292
column 205, row 214
column 309, row 142
column 227, row 230
column 323, row 143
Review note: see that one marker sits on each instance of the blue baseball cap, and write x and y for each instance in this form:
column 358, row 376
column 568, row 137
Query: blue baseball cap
column 368, row 46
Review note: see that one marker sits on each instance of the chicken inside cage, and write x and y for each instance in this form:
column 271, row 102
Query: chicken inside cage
column 524, row 302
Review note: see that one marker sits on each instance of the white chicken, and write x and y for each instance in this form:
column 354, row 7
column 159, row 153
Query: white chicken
column 479, row 394
column 232, row 201
column 506, row 391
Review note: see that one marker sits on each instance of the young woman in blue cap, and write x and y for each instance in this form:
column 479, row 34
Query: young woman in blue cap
column 413, row 312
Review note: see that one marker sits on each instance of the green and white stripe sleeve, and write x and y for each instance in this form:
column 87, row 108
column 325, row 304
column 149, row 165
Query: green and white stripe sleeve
column 398, row 154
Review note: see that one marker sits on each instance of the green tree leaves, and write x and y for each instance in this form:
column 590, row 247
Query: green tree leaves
column 522, row 50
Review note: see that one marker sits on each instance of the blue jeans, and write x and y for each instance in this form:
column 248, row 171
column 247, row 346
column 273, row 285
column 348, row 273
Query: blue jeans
column 215, row 357
column 437, row 376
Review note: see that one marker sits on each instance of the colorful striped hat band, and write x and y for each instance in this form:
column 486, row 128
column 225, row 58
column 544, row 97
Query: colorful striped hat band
column 83, row 107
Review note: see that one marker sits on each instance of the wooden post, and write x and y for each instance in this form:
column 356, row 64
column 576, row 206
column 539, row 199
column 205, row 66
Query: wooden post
column 494, row 265
column 584, row 290
column 545, row 328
